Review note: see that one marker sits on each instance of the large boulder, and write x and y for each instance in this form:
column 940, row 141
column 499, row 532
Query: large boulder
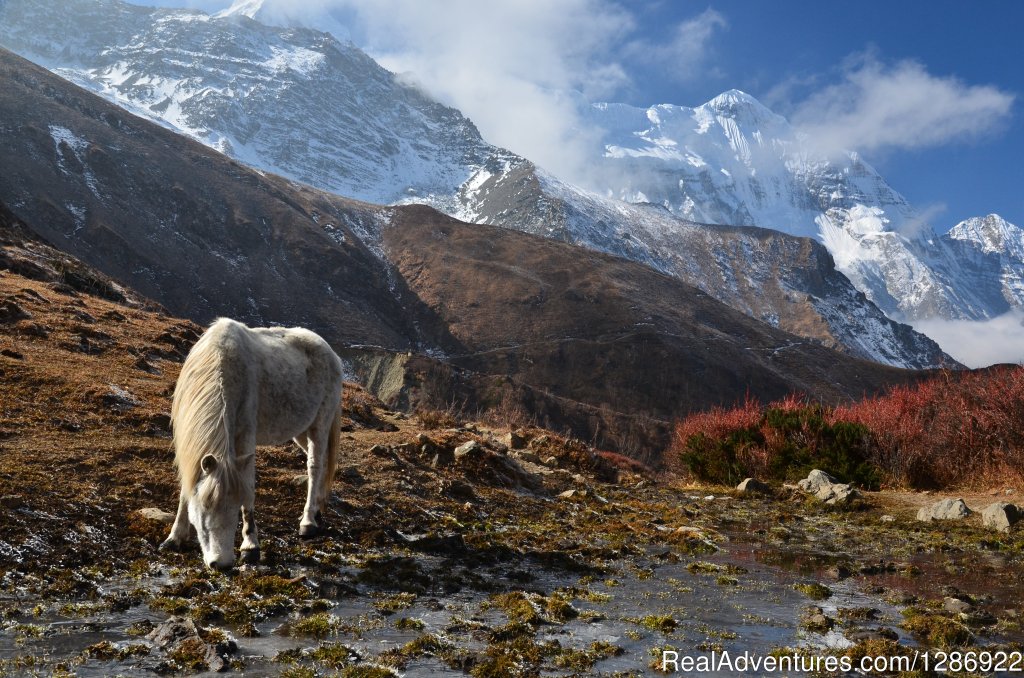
column 946, row 509
column 827, row 489
column 815, row 480
column 1001, row 516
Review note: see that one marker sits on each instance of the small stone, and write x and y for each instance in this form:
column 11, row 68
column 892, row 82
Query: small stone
column 579, row 478
column 159, row 515
column 551, row 462
column 1001, row 516
column 516, row 440
column 471, row 448
column 525, row 455
column 753, row 486
column 887, row 518
column 457, row 489
column 956, row 605
column 300, row 480
column 946, row 509
column 573, row 494
column 689, row 531
column 442, row 458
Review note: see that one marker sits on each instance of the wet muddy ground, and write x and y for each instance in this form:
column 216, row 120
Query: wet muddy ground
column 494, row 565
column 527, row 555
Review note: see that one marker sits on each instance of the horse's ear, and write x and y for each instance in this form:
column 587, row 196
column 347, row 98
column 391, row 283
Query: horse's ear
column 208, row 464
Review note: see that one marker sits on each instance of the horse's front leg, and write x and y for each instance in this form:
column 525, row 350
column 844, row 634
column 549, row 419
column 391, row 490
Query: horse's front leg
column 178, row 537
column 250, row 549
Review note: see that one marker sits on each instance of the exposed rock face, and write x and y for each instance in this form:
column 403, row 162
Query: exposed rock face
column 946, row 509
column 1001, row 516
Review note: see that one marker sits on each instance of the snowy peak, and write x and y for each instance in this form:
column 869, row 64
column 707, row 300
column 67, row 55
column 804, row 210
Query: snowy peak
column 991, row 234
column 742, row 107
column 249, row 8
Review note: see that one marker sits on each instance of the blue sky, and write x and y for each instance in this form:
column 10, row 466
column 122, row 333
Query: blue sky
column 931, row 93
column 765, row 45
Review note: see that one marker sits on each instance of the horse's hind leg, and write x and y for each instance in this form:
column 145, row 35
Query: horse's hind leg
column 179, row 531
column 316, row 457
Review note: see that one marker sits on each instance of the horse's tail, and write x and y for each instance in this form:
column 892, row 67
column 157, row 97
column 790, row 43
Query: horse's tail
column 198, row 413
column 333, row 446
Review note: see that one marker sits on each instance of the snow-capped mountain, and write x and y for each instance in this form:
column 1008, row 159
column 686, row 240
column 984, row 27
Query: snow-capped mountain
column 733, row 161
column 299, row 103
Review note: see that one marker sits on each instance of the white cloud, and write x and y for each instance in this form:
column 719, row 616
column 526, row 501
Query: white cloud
column 898, row 107
column 517, row 68
column 684, row 56
column 979, row 343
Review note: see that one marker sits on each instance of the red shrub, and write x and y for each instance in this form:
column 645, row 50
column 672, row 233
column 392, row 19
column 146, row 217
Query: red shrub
column 958, row 429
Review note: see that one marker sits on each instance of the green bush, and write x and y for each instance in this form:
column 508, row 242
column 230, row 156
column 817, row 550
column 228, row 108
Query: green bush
column 784, row 444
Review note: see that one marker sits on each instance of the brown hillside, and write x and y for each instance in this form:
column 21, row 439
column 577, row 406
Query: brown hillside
column 531, row 329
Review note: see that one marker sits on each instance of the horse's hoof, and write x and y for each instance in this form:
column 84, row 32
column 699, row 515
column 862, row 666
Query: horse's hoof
column 308, row 531
column 172, row 545
column 250, row 556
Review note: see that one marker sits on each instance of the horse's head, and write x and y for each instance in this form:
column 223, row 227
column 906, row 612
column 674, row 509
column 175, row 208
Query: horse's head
column 213, row 510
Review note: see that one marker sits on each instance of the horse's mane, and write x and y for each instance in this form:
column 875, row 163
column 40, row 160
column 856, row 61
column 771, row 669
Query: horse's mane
column 199, row 419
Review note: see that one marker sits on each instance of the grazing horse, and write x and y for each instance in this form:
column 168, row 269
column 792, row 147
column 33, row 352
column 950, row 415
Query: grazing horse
column 241, row 387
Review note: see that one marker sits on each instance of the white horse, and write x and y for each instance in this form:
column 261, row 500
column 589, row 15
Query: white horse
column 241, row 387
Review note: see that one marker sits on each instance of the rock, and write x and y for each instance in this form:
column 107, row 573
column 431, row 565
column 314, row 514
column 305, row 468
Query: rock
column 946, row 509
column 837, row 495
column 525, row 455
column 827, row 489
column 579, row 478
column 443, row 457
column 956, row 605
column 551, row 462
column 471, row 448
column 887, row 518
column 753, row 486
column 173, row 631
column 573, row 494
column 814, row 619
column 1001, row 516
column 299, row 480
column 456, row 489
column 868, row 634
column 450, row 544
column 516, row 440
column 815, row 480
column 689, row 531
column 11, row 312
column 159, row 515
